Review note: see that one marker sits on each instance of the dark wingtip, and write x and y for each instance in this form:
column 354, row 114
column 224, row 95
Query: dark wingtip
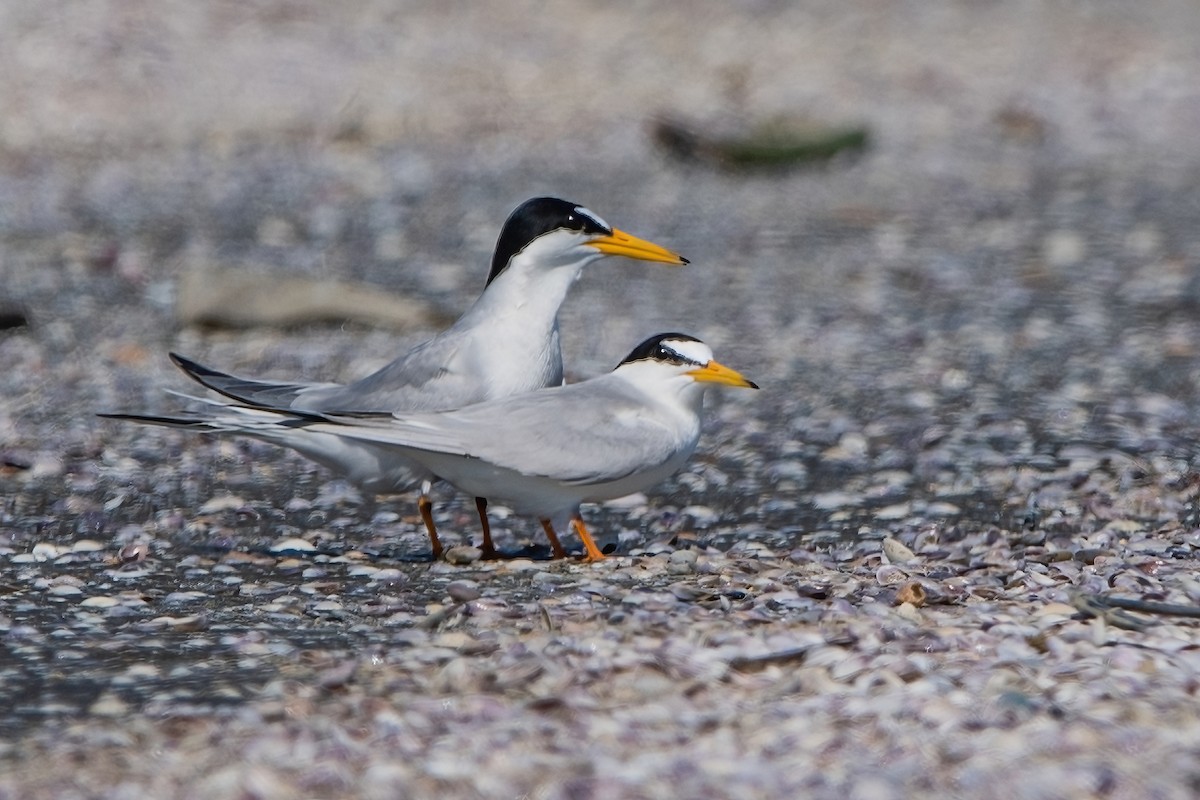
column 187, row 365
column 153, row 419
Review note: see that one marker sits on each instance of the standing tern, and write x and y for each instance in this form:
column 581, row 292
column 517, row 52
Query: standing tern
column 544, row 452
column 505, row 344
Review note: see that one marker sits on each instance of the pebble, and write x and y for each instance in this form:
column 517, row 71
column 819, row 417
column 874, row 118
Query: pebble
column 890, row 575
column 897, row 552
column 462, row 555
column 688, row 557
column 99, row 601
column 109, row 705
column 189, row 624
column 463, row 591
column 894, row 512
column 134, row 552
column 327, row 607
column 45, row 551
column 227, row 502
column 293, row 545
column 388, row 575
column 180, row 598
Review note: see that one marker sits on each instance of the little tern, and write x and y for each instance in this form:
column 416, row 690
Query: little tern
column 544, row 452
column 505, row 344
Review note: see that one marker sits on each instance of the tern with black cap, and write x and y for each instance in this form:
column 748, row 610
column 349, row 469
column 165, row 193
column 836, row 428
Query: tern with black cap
column 543, row 452
column 506, row 344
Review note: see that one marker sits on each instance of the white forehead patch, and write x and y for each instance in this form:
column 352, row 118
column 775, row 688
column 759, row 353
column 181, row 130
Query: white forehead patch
column 592, row 216
column 693, row 351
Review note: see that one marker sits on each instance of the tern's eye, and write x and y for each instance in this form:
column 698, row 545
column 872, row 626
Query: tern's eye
column 670, row 356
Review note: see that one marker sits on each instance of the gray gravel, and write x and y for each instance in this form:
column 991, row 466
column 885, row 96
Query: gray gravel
column 881, row 576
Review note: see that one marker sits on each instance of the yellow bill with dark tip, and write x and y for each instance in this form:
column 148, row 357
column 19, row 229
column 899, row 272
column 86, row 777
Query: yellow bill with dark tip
column 620, row 243
column 712, row 372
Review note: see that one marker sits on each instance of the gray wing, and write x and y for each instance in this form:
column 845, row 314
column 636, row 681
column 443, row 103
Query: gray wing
column 580, row 434
column 252, row 391
column 424, row 378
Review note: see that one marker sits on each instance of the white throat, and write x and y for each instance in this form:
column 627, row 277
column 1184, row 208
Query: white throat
column 515, row 324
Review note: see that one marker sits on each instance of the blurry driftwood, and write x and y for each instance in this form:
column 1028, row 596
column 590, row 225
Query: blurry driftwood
column 231, row 298
column 773, row 144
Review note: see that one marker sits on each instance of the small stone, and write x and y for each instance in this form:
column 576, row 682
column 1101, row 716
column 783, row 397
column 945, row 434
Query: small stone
column 463, row 591
column 293, row 544
column 339, row 676
column 1089, row 555
column 894, row 512
column 909, row 612
column 87, row 546
column 109, row 705
column 327, row 607
column 99, row 601
column 683, row 557
column 462, row 555
column 45, row 551
column 890, row 575
column 897, row 552
column 388, row 575
column 225, row 502
column 194, row 622
column 827, row 501
column 183, row 597
column 132, row 553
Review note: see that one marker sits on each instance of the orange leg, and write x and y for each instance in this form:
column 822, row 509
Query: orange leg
column 593, row 552
column 489, row 549
column 555, row 545
column 425, row 506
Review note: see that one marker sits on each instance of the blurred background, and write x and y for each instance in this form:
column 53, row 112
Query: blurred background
column 386, row 141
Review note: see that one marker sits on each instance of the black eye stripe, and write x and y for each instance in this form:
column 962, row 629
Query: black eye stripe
column 655, row 349
column 669, row 355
